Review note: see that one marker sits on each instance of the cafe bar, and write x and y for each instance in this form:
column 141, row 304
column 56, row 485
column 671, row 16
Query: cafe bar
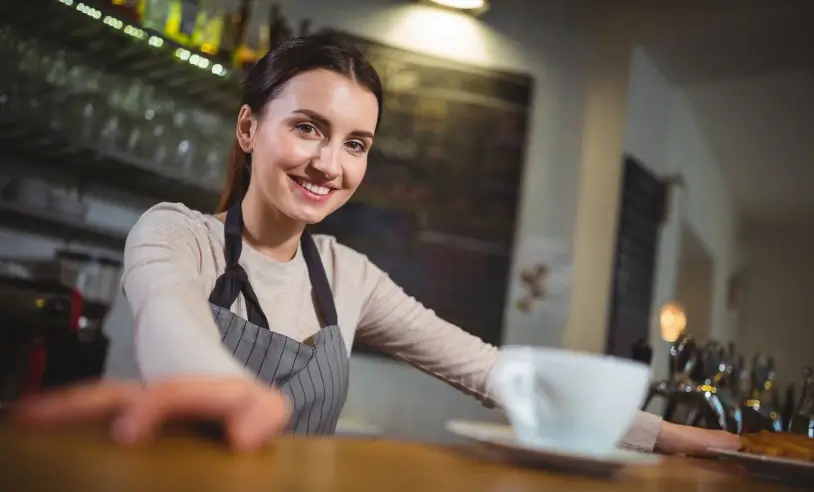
column 406, row 245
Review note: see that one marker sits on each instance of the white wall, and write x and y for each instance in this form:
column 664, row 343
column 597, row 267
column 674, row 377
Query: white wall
column 632, row 108
column 709, row 208
column 649, row 108
column 694, row 292
column 775, row 300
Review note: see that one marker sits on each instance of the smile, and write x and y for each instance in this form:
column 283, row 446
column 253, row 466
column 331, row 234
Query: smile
column 315, row 190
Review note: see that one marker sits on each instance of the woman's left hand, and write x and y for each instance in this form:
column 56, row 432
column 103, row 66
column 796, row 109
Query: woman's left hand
column 682, row 439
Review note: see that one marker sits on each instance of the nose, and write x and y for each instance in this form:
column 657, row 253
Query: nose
column 327, row 163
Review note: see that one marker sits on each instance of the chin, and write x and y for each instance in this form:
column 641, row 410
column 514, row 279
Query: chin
column 309, row 217
column 311, row 220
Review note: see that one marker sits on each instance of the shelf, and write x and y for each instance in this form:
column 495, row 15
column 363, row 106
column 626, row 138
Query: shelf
column 49, row 223
column 57, row 153
column 127, row 49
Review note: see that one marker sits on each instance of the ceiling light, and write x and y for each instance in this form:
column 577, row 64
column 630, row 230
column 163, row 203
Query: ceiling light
column 475, row 7
column 461, row 4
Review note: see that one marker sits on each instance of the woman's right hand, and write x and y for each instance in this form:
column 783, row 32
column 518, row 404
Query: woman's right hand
column 251, row 413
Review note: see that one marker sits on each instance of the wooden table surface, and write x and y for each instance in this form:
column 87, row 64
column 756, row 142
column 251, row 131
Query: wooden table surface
column 84, row 460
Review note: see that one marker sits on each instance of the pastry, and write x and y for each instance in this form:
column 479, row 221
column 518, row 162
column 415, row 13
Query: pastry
column 779, row 444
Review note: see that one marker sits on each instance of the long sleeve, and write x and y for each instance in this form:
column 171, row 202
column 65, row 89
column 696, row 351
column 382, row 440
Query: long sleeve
column 643, row 432
column 399, row 325
column 174, row 330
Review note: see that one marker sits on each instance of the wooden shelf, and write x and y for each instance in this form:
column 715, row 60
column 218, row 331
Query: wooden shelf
column 57, row 153
column 124, row 48
column 50, row 223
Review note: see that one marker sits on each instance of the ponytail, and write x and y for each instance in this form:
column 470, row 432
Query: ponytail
column 237, row 178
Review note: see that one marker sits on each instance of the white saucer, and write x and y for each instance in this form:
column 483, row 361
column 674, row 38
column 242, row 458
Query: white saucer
column 355, row 428
column 500, row 443
column 772, row 468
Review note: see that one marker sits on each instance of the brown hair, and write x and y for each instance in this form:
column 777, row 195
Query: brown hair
column 268, row 78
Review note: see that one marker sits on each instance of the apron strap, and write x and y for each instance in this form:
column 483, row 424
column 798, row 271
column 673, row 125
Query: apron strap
column 319, row 280
column 234, row 280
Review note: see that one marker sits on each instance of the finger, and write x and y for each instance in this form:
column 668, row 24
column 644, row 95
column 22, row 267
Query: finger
column 82, row 402
column 254, row 425
column 188, row 398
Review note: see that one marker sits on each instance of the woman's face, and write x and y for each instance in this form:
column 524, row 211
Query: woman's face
column 310, row 145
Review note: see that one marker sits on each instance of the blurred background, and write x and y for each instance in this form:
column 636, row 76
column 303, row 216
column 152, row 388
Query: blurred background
column 628, row 177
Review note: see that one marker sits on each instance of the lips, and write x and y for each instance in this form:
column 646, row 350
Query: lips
column 312, row 189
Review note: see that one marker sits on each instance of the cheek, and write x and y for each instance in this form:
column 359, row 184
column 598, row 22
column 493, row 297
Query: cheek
column 287, row 151
column 354, row 173
column 298, row 150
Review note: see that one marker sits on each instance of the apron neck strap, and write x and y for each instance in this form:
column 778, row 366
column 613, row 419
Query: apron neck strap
column 234, row 280
column 319, row 280
column 236, row 277
column 233, row 234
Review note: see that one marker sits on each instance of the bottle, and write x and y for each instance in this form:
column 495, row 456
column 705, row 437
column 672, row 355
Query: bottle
column 234, row 28
column 128, row 10
column 155, row 15
column 254, row 44
column 208, row 33
column 182, row 21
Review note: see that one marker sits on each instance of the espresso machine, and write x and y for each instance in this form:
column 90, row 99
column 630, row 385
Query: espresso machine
column 759, row 408
column 802, row 419
column 701, row 389
column 32, row 313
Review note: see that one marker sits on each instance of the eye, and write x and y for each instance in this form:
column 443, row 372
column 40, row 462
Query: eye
column 307, row 128
column 356, row 146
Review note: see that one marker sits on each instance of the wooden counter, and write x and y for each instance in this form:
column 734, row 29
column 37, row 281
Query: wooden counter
column 83, row 460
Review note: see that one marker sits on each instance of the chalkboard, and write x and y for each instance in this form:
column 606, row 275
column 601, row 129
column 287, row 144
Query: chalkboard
column 437, row 209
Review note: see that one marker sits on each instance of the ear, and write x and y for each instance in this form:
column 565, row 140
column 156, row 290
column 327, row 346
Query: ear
column 246, row 128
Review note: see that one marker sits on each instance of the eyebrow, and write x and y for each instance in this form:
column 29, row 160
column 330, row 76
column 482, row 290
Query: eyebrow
column 322, row 120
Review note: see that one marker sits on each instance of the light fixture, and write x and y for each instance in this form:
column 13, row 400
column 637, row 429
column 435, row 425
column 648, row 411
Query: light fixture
column 672, row 320
column 473, row 7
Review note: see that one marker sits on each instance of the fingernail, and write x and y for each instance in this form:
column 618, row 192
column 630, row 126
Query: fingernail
column 124, row 430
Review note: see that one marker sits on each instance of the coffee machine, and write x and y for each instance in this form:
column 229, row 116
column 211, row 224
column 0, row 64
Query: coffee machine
column 51, row 312
column 32, row 313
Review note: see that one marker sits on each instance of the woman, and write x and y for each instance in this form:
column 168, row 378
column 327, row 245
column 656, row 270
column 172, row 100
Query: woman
column 235, row 315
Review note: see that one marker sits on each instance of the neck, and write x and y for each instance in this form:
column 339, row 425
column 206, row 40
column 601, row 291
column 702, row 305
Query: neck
column 269, row 231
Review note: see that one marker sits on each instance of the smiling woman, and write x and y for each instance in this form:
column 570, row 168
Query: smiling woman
column 246, row 318
column 310, row 119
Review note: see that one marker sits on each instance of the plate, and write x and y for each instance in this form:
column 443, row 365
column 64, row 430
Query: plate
column 500, row 443
column 772, row 468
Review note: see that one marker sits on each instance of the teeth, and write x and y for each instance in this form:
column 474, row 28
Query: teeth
column 315, row 189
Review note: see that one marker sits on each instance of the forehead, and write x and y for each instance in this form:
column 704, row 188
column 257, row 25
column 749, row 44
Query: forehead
column 345, row 103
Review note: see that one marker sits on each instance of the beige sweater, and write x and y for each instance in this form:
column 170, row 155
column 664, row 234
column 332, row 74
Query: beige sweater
column 173, row 257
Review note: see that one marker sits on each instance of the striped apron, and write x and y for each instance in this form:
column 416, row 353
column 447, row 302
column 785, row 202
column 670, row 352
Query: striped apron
column 313, row 375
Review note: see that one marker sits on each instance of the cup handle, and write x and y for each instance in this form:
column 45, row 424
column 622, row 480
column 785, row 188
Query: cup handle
column 512, row 383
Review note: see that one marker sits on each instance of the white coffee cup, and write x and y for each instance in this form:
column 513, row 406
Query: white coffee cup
column 568, row 400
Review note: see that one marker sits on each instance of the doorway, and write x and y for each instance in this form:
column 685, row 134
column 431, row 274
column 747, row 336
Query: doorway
column 694, row 287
